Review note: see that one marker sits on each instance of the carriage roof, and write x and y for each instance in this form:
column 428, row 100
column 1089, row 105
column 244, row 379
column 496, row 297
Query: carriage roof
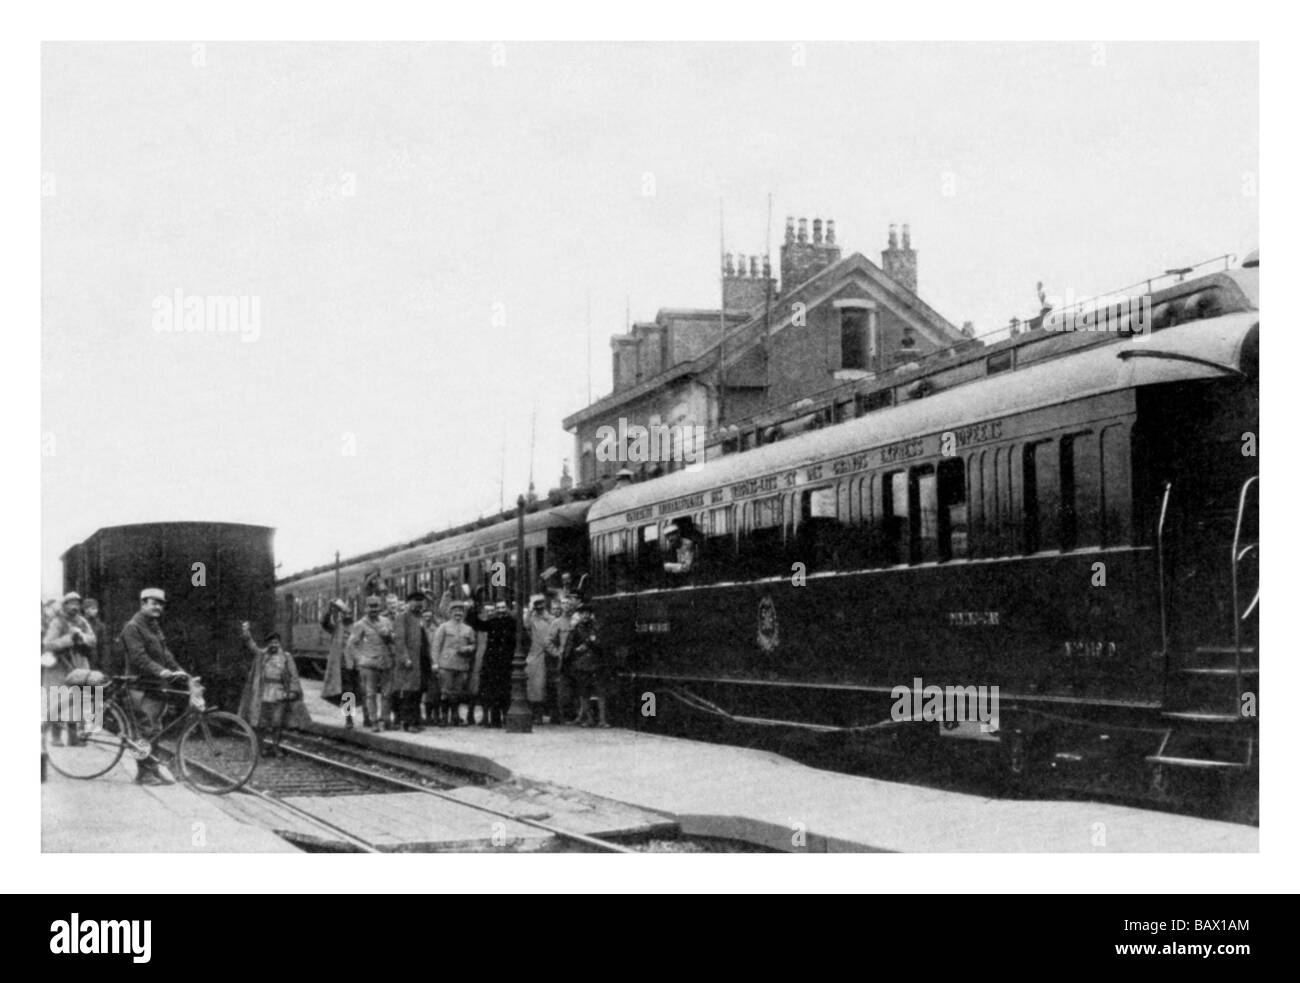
column 1191, row 351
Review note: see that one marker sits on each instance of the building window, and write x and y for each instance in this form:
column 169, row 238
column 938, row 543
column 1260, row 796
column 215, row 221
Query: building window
column 853, row 339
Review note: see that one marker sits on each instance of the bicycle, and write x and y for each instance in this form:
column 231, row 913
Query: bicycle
column 215, row 751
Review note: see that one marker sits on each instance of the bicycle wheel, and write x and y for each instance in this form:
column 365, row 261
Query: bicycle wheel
column 217, row 752
column 89, row 747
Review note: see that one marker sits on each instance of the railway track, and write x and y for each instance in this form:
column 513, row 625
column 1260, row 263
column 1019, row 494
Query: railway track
column 322, row 770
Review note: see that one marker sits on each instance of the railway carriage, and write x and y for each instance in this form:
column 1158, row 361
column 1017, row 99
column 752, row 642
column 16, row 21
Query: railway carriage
column 215, row 575
column 1076, row 527
column 554, row 537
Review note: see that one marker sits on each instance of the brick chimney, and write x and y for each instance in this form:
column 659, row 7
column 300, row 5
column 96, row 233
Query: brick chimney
column 745, row 281
column 801, row 260
column 898, row 263
column 625, row 360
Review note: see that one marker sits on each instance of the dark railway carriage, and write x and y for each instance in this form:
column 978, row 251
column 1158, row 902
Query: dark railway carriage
column 215, row 574
column 1080, row 532
column 554, row 537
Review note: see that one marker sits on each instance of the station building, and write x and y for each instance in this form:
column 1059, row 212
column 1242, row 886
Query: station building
column 779, row 357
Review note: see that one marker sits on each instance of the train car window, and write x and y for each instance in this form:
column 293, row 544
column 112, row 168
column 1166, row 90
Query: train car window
column 954, row 516
column 855, row 519
column 719, row 547
column 649, row 564
column 1115, row 487
column 895, row 512
column 975, row 504
column 620, row 564
column 819, row 541
column 762, row 546
column 1040, row 497
column 1081, row 518
column 925, row 516
column 1001, row 362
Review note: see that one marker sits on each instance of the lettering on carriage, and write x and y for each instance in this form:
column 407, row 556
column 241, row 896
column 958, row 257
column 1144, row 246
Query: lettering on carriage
column 813, row 473
column 651, row 628
column 636, row 515
column 978, row 433
column 754, row 486
column 902, row 451
column 682, row 504
column 1091, row 649
column 716, row 496
column 973, row 619
column 845, row 465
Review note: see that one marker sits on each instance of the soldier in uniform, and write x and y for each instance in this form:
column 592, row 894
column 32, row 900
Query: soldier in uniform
column 681, row 553
column 149, row 658
column 559, row 675
column 537, row 624
column 99, row 651
column 429, row 669
column 68, row 645
column 274, row 687
column 371, row 646
column 454, row 644
column 590, row 667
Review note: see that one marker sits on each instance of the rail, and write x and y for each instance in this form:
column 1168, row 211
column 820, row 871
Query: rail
column 590, row 841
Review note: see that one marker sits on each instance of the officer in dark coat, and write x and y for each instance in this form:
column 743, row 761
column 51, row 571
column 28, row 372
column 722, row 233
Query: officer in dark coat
column 411, row 673
column 498, row 624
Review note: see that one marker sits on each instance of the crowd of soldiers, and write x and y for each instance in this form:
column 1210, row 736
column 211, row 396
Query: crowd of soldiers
column 405, row 665
column 448, row 664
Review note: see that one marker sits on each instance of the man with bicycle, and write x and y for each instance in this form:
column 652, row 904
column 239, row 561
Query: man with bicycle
column 148, row 658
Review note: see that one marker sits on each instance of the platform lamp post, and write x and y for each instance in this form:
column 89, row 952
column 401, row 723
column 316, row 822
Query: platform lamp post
column 519, row 718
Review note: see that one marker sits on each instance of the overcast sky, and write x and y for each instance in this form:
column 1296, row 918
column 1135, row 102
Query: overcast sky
column 422, row 228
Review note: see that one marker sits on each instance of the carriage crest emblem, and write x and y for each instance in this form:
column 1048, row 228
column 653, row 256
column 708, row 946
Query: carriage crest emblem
column 769, row 628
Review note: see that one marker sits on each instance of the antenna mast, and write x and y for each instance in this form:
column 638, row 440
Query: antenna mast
column 722, row 317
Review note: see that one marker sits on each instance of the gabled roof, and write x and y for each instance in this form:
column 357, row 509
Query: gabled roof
column 742, row 339
column 817, row 289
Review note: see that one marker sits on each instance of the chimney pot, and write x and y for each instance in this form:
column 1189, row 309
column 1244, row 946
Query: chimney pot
column 767, row 267
column 728, row 267
column 830, row 232
column 753, row 267
column 893, row 236
column 789, row 228
column 817, row 232
column 803, row 230
column 907, row 236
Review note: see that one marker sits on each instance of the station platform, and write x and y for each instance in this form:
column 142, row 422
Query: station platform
column 764, row 799
column 111, row 814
